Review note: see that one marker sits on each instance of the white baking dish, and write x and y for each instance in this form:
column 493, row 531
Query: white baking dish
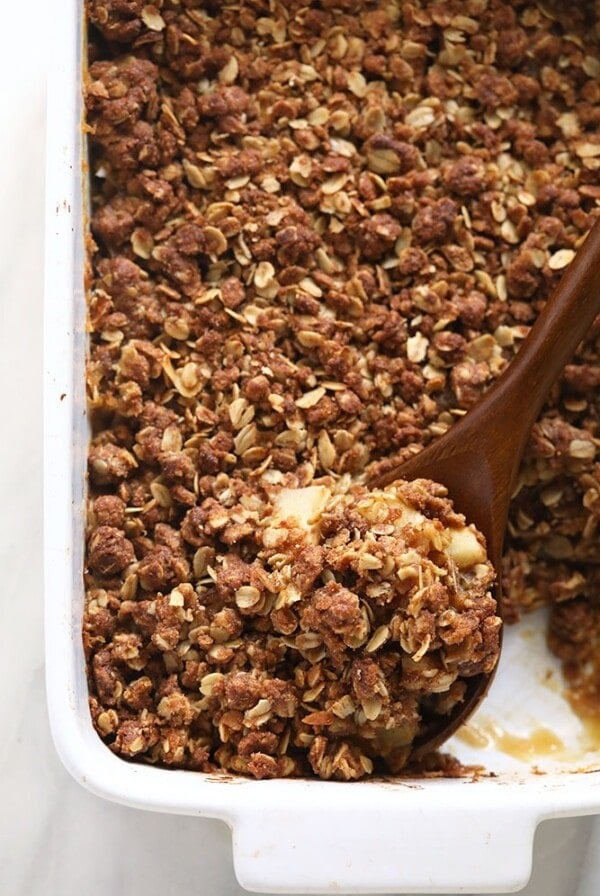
column 288, row 836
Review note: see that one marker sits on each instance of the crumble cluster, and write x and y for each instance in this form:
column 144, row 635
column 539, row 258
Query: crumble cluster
column 320, row 232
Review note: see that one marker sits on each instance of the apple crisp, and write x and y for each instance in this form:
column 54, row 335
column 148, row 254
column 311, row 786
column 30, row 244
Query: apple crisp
column 319, row 232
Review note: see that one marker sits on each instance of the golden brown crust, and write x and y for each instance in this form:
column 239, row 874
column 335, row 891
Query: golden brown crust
column 320, row 235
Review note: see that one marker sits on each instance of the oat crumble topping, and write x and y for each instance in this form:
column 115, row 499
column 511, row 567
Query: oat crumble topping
column 320, row 232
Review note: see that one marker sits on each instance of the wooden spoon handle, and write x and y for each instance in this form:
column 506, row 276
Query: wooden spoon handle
column 560, row 327
column 478, row 458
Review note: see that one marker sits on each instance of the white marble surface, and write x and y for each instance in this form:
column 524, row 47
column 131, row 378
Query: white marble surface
column 55, row 838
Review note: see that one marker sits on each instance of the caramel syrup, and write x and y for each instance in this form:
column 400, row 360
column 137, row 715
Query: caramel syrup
column 541, row 742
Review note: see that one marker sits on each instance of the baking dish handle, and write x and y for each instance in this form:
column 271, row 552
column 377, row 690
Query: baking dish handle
column 392, row 846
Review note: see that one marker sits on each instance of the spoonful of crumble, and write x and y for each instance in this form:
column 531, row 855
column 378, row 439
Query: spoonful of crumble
column 401, row 611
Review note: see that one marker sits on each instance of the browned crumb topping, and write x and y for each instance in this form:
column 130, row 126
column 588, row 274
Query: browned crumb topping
column 321, row 232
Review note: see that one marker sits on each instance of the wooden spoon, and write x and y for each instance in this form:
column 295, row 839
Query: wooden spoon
column 478, row 458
